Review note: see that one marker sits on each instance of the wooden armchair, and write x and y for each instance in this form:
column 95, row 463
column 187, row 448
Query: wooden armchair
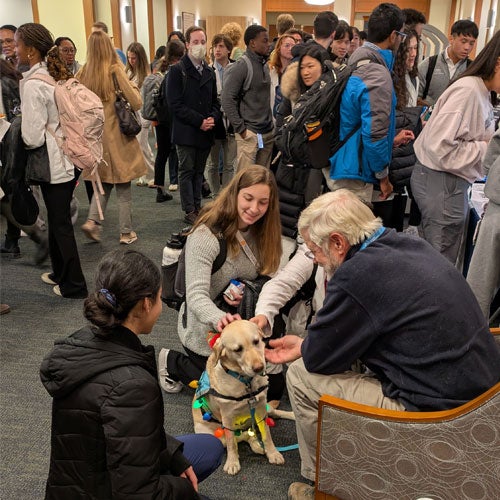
column 367, row 453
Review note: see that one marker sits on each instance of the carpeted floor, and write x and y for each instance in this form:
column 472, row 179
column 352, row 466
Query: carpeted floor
column 38, row 317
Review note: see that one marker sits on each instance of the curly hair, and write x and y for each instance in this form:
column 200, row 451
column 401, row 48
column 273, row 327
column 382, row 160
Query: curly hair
column 221, row 216
column 233, row 31
column 400, row 70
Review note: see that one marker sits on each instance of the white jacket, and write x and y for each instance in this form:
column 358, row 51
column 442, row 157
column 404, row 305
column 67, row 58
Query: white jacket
column 455, row 138
column 39, row 111
column 285, row 284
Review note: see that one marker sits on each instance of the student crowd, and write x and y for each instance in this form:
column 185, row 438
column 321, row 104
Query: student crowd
column 413, row 132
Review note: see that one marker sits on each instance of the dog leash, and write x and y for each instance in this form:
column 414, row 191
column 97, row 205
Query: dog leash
column 288, row 448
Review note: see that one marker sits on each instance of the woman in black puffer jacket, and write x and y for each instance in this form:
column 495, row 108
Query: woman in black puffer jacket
column 108, row 440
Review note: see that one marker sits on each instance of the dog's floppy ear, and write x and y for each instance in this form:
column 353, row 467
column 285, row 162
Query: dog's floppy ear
column 218, row 349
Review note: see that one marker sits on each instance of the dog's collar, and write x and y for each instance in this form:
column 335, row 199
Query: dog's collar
column 244, row 380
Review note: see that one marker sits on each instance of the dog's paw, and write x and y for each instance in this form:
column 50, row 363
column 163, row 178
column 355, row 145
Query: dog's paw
column 232, row 467
column 275, row 457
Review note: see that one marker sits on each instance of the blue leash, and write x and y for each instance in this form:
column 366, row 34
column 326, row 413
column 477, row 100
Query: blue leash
column 288, row 448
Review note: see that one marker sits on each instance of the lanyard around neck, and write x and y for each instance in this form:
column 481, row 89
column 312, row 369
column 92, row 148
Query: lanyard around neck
column 372, row 238
column 247, row 250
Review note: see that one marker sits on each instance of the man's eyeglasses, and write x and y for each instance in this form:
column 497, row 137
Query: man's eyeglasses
column 402, row 35
column 7, row 41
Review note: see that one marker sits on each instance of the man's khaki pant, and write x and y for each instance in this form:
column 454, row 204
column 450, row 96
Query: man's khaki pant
column 248, row 152
column 305, row 389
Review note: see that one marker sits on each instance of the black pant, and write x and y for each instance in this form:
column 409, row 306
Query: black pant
column 66, row 268
column 192, row 163
column 165, row 152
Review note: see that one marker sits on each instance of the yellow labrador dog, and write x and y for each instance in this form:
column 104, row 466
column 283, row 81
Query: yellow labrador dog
column 235, row 398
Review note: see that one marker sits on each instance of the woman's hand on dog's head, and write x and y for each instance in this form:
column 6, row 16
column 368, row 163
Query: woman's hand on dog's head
column 226, row 319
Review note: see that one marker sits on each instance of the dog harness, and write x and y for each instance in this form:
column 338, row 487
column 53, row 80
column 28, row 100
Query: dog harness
column 246, row 424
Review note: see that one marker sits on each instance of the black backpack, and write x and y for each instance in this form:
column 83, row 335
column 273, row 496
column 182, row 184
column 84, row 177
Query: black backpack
column 159, row 96
column 174, row 271
column 310, row 135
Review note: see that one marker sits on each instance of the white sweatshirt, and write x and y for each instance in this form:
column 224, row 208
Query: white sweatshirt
column 455, row 138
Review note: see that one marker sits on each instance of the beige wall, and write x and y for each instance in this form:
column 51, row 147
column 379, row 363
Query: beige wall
column 65, row 19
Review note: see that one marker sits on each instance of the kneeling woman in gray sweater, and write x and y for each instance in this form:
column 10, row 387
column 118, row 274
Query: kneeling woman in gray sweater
column 246, row 216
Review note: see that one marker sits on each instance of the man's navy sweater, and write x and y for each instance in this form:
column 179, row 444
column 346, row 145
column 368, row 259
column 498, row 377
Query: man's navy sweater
column 411, row 318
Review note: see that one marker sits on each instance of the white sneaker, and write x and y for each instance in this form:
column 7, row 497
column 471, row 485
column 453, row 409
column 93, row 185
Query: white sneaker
column 46, row 278
column 166, row 383
column 173, row 187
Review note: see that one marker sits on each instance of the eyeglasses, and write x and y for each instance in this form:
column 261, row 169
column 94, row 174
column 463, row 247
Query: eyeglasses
column 288, row 45
column 68, row 51
column 8, row 41
column 402, row 35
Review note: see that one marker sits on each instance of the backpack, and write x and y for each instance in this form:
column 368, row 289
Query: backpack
column 150, row 90
column 173, row 269
column 430, row 71
column 310, row 135
column 248, row 78
column 81, row 117
column 159, row 96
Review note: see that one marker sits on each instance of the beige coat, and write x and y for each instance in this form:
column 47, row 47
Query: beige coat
column 122, row 154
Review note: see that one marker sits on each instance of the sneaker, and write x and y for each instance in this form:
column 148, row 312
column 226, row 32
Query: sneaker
column 141, row 182
column 173, row 187
column 166, row 383
column 300, row 491
column 190, row 217
column 161, row 197
column 151, row 184
column 57, row 290
column 92, row 230
column 128, row 238
column 47, row 278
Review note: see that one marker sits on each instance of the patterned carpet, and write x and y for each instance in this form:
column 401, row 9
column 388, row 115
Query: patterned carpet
column 38, row 317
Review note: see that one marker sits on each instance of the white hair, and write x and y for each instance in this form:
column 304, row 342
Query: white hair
column 341, row 212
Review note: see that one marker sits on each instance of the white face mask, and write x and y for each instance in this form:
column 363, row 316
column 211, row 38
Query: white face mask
column 198, row 51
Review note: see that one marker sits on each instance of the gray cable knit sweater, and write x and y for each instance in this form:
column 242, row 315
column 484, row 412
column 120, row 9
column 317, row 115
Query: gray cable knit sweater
column 202, row 248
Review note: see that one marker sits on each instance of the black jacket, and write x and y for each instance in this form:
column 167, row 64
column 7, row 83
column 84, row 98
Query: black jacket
column 403, row 157
column 108, row 439
column 192, row 98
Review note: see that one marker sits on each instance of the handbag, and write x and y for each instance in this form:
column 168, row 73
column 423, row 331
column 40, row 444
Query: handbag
column 130, row 124
column 23, row 204
column 37, row 165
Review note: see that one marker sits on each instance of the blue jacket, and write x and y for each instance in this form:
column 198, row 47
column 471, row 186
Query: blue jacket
column 367, row 106
column 192, row 98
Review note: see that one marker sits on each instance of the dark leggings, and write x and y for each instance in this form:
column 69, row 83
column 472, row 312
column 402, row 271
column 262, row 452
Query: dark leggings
column 165, row 152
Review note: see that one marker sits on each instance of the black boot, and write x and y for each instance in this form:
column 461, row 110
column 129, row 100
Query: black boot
column 10, row 248
column 161, row 196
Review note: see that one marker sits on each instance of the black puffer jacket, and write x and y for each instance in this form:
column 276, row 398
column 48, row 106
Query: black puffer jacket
column 108, row 439
column 403, row 157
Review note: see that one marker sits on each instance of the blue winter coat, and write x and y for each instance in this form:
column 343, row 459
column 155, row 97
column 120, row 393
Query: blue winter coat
column 368, row 106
